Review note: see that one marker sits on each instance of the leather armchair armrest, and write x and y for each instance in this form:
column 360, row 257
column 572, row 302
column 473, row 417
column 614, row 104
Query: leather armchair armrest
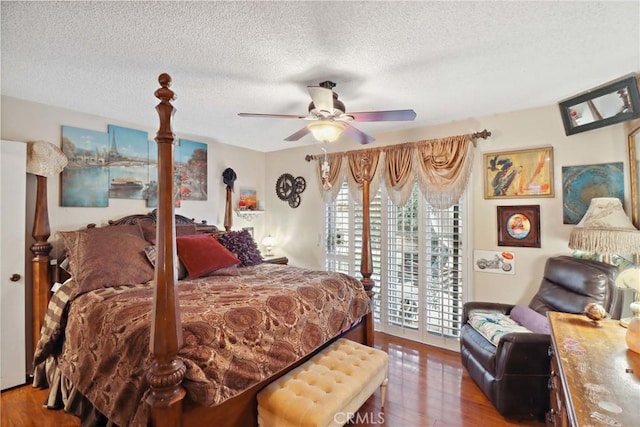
column 523, row 353
column 480, row 305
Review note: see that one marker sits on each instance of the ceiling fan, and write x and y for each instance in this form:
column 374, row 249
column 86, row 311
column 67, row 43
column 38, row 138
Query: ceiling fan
column 329, row 119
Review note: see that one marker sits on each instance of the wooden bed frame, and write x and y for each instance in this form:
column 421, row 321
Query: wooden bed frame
column 166, row 373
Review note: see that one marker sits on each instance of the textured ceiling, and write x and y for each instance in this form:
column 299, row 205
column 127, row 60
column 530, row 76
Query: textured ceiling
column 446, row 60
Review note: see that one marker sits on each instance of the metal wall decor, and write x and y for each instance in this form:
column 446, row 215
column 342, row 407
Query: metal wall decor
column 288, row 189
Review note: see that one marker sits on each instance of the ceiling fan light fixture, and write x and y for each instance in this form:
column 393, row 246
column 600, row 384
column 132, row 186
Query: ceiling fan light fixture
column 326, row 131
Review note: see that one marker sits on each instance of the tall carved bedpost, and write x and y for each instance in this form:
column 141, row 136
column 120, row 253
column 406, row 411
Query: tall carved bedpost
column 40, row 262
column 167, row 371
column 228, row 211
column 44, row 160
column 366, row 268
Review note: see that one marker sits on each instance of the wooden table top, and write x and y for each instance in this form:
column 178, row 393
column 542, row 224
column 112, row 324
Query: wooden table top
column 600, row 375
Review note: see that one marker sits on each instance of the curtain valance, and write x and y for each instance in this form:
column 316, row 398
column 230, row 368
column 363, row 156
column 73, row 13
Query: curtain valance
column 441, row 167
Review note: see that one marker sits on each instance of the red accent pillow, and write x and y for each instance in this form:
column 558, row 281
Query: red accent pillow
column 202, row 254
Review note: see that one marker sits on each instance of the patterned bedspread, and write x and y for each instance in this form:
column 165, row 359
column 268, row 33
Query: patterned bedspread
column 237, row 331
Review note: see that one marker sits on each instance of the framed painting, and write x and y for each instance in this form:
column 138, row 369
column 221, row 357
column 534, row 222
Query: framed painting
column 634, row 175
column 517, row 174
column 247, row 200
column 582, row 183
column 519, row 226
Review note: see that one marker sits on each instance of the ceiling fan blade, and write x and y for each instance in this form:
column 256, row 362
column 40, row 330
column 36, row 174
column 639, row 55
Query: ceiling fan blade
column 273, row 116
column 383, row 116
column 357, row 134
column 299, row 134
column 322, row 98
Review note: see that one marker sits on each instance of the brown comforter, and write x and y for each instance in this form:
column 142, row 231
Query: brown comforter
column 237, row 331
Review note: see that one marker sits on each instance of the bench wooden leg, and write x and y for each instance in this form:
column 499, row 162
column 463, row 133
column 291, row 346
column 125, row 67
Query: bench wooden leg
column 383, row 392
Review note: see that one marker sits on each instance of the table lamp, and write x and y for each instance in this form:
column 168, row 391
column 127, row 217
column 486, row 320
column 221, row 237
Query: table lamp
column 269, row 242
column 605, row 229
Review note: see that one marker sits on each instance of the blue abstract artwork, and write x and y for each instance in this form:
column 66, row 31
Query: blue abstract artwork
column 582, row 183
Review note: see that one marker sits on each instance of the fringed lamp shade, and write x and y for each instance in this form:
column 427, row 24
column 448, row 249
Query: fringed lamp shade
column 605, row 229
column 45, row 159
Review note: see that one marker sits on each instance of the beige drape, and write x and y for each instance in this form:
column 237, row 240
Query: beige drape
column 398, row 173
column 335, row 178
column 363, row 164
column 441, row 167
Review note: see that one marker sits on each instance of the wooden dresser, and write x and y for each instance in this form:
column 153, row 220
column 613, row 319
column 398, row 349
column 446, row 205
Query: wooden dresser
column 595, row 379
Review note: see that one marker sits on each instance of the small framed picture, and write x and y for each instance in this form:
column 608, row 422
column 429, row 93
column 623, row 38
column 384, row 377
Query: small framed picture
column 499, row 262
column 519, row 226
column 248, row 200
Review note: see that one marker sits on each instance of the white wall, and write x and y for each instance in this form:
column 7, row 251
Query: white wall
column 298, row 230
column 299, row 234
column 27, row 121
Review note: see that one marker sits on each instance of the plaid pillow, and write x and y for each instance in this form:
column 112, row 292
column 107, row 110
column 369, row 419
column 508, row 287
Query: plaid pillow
column 54, row 321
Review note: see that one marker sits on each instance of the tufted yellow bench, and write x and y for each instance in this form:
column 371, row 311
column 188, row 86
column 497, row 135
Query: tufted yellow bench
column 327, row 389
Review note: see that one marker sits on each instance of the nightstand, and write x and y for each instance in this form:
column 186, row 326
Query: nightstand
column 277, row 260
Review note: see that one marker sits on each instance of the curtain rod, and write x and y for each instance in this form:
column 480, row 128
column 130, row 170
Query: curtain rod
column 484, row 134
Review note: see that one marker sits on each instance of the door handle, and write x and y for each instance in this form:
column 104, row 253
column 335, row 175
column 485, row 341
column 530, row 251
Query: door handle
column 14, row 277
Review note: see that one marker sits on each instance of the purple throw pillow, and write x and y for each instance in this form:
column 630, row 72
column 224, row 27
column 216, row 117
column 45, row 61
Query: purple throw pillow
column 242, row 245
column 530, row 319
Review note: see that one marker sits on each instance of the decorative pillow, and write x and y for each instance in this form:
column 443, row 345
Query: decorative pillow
column 530, row 319
column 152, row 255
column 226, row 271
column 107, row 256
column 242, row 245
column 493, row 325
column 148, row 230
column 202, row 254
column 64, row 264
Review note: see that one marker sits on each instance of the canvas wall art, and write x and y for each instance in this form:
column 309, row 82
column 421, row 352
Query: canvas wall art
column 248, row 199
column 122, row 163
column 128, row 163
column 85, row 180
column 150, row 193
column 582, row 183
column 191, row 165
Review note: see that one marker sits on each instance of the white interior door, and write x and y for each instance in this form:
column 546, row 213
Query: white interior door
column 13, row 161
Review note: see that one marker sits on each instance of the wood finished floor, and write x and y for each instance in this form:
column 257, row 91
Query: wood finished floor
column 427, row 388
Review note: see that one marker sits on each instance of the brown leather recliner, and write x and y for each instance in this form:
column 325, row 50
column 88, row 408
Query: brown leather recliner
column 515, row 373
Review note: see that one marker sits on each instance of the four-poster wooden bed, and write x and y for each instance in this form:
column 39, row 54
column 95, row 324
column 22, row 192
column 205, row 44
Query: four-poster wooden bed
column 172, row 324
